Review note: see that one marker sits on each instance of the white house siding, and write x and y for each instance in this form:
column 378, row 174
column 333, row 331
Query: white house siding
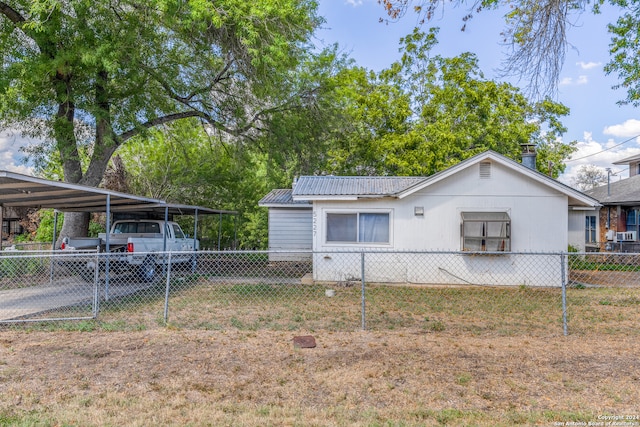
column 539, row 217
column 577, row 229
column 290, row 230
column 512, row 269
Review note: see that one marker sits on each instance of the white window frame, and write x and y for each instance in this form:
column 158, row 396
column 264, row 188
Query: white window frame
column 590, row 232
column 358, row 213
column 486, row 240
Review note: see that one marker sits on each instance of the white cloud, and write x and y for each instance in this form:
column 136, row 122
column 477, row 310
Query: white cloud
column 354, row 3
column 592, row 152
column 11, row 159
column 566, row 81
column 588, row 65
column 629, row 128
column 569, row 81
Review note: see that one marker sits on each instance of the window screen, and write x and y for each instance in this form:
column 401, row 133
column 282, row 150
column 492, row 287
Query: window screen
column 486, row 231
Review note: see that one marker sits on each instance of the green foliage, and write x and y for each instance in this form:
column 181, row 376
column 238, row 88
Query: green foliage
column 96, row 74
column 44, row 233
column 625, row 43
column 95, row 228
column 183, row 163
column 426, row 113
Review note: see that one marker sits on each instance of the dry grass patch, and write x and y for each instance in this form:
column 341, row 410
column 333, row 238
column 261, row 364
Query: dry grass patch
column 429, row 356
column 234, row 377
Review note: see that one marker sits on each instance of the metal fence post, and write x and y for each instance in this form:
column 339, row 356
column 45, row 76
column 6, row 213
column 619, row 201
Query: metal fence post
column 362, row 278
column 96, row 290
column 564, row 293
column 166, row 292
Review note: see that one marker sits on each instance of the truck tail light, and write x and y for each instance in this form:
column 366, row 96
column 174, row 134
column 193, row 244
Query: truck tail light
column 63, row 245
column 129, row 247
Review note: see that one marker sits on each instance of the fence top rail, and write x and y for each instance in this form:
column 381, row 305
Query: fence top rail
column 9, row 253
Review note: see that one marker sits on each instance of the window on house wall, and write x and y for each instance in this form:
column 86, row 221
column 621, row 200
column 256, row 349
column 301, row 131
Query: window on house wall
column 590, row 229
column 633, row 220
column 12, row 226
column 486, row 231
column 358, row 227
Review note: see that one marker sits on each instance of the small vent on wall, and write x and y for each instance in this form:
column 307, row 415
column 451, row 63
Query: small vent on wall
column 485, row 170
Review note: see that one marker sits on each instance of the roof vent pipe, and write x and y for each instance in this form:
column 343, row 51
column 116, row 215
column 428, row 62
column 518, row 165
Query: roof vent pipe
column 529, row 155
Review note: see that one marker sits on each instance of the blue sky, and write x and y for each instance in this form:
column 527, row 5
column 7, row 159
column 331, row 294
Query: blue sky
column 596, row 121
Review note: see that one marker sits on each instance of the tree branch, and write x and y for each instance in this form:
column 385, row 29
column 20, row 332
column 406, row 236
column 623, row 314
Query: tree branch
column 11, row 13
column 188, row 98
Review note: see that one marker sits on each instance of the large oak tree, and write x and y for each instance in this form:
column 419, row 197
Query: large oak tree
column 88, row 76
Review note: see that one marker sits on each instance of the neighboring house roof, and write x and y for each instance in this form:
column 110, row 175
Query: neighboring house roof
column 628, row 160
column 357, row 187
column 282, row 197
column 623, row 192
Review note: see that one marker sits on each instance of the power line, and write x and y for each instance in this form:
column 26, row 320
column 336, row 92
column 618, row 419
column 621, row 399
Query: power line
column 614, row 146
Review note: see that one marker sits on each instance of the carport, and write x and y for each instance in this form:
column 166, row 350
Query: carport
column 18, row 190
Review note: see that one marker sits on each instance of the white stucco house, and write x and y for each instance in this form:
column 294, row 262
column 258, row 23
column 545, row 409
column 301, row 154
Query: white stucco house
column 479, row 215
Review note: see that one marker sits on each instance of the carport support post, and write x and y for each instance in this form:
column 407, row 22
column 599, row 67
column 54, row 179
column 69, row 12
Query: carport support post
column 53, row 244
column 564, row 294
column 164, row 244
column 219, row 229
column 107, row 250
column 364, row 326
column 195, row 241
column 55, row 229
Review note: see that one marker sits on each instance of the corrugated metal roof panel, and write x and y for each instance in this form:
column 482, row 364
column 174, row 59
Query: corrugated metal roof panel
column 281, row 196
column 17, row 190
column 353, row 185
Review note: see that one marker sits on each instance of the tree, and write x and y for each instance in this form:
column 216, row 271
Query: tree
column 426, row 113
column 92, row 75
column 536, row 32
column 589, row 177
column 220, row 175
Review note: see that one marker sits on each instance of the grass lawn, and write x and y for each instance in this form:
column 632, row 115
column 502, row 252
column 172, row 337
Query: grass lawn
column 428, row 356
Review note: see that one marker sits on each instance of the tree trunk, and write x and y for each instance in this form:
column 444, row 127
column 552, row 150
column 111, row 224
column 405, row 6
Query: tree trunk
column 76, row 224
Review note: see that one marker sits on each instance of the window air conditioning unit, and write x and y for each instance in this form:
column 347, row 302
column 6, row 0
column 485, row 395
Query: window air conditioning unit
column 626, row 236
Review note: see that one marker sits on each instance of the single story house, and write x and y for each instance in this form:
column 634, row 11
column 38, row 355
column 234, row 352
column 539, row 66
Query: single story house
column 487, row 203
column 617, row 226
column 290, row 226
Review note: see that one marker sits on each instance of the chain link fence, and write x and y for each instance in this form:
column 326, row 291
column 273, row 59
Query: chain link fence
column 479, row 293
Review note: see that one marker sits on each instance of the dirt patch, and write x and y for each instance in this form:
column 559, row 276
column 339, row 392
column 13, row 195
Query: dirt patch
column 619, row 279
column 176, row 377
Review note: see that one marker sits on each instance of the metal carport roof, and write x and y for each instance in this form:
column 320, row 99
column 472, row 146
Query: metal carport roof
column 18, row 190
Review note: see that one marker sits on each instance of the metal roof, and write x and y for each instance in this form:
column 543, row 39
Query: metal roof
column 18, row 190
column 362, row 187
column 283, row 197
column 353, row 186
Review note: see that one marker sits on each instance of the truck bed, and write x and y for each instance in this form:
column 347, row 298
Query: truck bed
column 117, row 239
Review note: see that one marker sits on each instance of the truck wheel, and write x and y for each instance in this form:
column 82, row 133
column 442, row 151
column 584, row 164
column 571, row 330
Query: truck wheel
column 148, row 270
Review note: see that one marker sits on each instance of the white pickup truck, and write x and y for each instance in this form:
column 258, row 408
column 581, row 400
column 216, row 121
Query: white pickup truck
column 137, row 244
